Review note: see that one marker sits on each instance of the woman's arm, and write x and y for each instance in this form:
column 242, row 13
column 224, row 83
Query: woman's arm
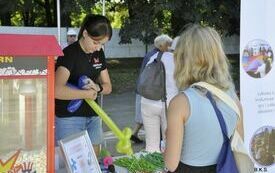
column 63, row 92
column 178, row 113
column 105, row 82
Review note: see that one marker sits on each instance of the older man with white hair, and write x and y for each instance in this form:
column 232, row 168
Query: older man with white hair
column 161, row 43
column 153, row 111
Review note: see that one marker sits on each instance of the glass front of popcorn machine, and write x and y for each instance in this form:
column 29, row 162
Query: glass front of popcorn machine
column 24, row 114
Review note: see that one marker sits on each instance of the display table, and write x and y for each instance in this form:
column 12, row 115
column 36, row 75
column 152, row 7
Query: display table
column 60, row 166
column 118, row 170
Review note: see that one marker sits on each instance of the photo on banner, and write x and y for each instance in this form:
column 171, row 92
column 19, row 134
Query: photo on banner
column 257, row 58
column 262, row 146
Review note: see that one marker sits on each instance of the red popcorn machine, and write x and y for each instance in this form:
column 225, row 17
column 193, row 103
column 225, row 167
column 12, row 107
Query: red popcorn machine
column 27, row 102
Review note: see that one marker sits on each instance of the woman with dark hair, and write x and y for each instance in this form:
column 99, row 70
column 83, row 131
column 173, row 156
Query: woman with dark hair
column 83, row 57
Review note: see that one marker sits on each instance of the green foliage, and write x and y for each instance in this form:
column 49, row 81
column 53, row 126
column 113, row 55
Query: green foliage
column 138, row 19
column 166, row 24
column 146, row 163
column 115, row 12
column 150, row 18
column 28, row 12
column 223, row 15
column 123, row 73
column 8, row 6
column 104, row 153
column 145, row 21
column 76, row 18
column 16, row 19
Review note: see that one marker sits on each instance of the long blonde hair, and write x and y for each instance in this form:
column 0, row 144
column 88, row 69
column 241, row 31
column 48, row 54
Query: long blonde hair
column 199, row 56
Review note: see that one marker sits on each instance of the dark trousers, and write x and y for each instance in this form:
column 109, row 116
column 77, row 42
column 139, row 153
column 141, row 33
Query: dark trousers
column 183, row 168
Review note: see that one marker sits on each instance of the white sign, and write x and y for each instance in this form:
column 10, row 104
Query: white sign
column 257, row 79
column 79, row 154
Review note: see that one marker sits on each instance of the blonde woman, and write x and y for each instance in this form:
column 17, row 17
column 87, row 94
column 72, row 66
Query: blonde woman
column 193, row 136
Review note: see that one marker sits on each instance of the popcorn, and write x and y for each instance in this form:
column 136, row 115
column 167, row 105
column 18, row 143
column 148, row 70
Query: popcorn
column 34, row 160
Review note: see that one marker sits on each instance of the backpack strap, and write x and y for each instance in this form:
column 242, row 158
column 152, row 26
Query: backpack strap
column 165, row 91
column 147, row 58
column 160, row 53
column 164, row 76
column 159, row 56
column 219, row 115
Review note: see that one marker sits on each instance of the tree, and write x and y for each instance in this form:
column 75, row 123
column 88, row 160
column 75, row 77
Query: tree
column 138, row 19
column 41, row 12
column 144, row 21
column 224, row 15
column 72, row 9
column 148, row 18
column 6, row 9
column 27, row 11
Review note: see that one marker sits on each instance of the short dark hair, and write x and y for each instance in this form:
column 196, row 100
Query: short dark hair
column 96, row 26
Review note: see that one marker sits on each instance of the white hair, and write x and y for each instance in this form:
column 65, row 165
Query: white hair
column 162, row 40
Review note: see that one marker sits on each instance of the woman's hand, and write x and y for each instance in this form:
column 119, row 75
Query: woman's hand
column 92, row 94
column 90, row 84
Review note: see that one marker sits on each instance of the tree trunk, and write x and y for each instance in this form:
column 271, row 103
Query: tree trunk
column 55, row 12
column 65, row 15
column 32, row 18
column 65, row 20
column 6, row 19
column 48, row 13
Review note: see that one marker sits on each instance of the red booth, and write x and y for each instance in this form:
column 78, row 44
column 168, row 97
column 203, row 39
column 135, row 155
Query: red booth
column 27, row 102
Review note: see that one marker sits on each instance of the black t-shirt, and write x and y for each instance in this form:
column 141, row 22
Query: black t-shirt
column 79, row 63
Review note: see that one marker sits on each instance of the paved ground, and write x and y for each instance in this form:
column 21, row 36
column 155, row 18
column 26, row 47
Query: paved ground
column 121, row 109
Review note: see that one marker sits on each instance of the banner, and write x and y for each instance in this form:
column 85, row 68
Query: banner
column 22, row 66
column 257, row 81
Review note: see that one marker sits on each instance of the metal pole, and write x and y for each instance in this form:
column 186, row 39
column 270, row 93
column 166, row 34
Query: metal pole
column 103, row 8
column 103, row 13
column 2, row 101
column 58, row 21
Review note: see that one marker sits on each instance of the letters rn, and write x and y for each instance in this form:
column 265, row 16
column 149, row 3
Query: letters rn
column 6, row 59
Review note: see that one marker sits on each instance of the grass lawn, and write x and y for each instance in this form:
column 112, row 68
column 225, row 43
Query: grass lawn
column 124, row 71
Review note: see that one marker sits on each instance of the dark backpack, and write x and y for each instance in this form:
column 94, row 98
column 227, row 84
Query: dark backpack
column 151, row 82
